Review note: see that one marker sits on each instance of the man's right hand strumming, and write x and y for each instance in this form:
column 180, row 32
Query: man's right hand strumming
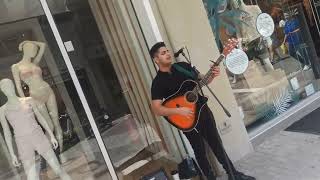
column 185, row 111
column 160, row 110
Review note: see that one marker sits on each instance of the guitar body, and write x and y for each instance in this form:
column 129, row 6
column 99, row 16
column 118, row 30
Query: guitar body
column 185, row 97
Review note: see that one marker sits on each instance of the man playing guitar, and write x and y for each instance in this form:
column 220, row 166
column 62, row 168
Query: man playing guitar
column 166, row 83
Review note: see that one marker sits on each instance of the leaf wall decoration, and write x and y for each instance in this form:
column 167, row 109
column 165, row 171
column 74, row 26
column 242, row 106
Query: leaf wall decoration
column 274, row 102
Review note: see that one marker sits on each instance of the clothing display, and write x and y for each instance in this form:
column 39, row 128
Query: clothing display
column 28, row 133
column 22, row 118
column 29, row 76
column 25, row 74
column 28, row 144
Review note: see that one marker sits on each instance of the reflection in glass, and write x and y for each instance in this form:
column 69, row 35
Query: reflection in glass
column 283, row 68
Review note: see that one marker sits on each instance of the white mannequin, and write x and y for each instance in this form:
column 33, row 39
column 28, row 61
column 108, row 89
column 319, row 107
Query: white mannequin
column 14, row 102
column 39, row 90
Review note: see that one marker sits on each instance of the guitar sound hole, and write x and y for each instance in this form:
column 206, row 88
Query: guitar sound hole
column 191, row 97
column 177, row 105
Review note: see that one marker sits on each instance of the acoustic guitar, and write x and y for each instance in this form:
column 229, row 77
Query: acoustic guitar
column 188, row 96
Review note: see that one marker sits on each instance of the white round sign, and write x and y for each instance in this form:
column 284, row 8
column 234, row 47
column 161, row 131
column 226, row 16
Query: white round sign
column 265, row 25
column 237, row 62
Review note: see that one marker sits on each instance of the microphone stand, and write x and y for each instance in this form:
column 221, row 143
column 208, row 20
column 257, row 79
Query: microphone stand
column 222, row 106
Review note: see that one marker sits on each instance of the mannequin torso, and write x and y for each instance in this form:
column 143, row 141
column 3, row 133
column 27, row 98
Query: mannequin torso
column 31, row 74
column 21, row 117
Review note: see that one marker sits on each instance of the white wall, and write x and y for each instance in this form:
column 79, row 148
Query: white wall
column 185, row 23
column 151, row 31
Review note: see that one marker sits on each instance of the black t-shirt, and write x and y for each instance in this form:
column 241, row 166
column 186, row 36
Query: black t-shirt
column 166, row 84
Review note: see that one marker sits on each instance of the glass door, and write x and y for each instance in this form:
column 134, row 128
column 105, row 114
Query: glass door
column 107, row 62
column 45, row 129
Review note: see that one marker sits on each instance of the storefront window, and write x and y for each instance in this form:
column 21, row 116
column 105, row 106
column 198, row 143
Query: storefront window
column 106, row 63
column 283, row 66
column 44, row 128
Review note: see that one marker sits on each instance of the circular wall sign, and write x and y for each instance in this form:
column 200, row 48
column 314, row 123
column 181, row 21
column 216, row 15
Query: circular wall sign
column 237, row 61
column 265, row 25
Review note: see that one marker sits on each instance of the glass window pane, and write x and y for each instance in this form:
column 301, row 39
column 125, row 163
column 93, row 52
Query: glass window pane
column 283, row 68
column 45, row 106
column 106, row 57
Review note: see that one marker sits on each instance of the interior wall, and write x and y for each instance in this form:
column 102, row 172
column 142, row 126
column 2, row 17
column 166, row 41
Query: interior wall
column 12, row 10
column 186, row 24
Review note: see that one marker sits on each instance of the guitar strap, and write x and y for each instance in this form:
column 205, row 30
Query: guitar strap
column 188, row 73
column 184, row 71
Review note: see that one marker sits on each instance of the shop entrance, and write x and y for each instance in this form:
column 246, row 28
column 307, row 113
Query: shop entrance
column 109, row 75
column 88, row 61
column 31, row 61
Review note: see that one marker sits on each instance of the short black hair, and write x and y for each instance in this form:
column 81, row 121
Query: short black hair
column 154, row 49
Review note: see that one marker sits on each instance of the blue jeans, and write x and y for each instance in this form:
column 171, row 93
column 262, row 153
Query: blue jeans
column 298, row 49
column 299, row 53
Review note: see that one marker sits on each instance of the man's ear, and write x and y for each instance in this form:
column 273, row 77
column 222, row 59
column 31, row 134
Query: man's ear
column 156, row 59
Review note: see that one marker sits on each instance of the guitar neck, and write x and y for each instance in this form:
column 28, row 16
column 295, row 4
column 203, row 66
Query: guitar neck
column 204, row 81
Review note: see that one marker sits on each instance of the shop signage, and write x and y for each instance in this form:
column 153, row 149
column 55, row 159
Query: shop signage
column 265, row 25
column 237, row 61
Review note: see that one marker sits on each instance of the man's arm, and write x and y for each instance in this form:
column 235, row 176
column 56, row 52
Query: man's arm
column 161, row 110
column 296, row 30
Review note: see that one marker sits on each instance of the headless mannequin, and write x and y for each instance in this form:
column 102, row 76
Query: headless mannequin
column 250, row 33
column 28, row 70
column 11, row 112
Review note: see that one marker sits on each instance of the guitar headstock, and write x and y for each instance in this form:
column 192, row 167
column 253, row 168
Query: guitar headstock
column 229, row 46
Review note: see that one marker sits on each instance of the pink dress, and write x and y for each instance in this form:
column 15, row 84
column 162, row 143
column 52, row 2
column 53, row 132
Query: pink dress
column 28, row 133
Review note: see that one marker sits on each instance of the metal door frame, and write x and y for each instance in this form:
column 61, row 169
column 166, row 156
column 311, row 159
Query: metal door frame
column 78, row 87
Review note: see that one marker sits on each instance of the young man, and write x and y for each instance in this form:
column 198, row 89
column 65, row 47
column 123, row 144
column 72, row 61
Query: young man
column 166, row 83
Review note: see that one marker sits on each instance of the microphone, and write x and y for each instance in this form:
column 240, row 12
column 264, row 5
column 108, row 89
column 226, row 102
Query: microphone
column 176, row 54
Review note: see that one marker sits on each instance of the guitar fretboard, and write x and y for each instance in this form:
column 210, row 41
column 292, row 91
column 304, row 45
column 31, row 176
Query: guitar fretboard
column 208, row 75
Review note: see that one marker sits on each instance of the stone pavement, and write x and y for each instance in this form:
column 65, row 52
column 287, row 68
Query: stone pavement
column 285, row 156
